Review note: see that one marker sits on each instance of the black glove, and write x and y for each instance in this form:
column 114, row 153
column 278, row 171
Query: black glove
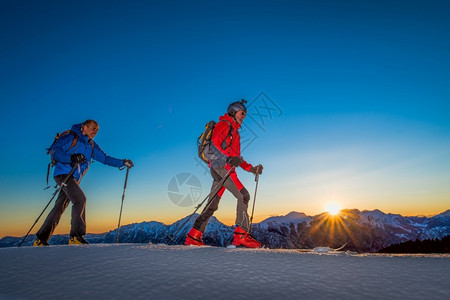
column 235, row 160
column 77, row 158
column 257, row 170
column 128, row 163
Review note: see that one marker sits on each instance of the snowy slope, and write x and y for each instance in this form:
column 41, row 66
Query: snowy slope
column 139, row 271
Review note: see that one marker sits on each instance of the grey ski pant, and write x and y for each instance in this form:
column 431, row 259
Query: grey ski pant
column 71, row 192
column 231, row 184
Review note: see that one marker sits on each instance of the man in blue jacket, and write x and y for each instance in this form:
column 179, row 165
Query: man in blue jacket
column 76, row 148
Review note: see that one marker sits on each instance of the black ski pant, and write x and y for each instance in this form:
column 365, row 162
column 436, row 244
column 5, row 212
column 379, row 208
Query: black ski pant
column 236, row 188
column 70, row 192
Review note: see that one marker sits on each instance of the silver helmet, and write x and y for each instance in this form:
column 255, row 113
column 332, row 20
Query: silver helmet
column 234, row 107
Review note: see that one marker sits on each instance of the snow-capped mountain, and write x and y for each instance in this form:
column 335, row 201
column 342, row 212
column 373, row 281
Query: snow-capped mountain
column 292, row 217
column 283, row 231
column 362, row 231
column 217, row 234
column 408, row 228
column 366, row 231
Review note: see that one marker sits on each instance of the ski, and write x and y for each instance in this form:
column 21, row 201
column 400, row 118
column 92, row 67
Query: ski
column 322, row 249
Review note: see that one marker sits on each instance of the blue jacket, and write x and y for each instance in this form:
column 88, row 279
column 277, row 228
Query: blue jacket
column 62, row 150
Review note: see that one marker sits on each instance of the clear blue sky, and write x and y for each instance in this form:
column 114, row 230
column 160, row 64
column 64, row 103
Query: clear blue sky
column 361, row 90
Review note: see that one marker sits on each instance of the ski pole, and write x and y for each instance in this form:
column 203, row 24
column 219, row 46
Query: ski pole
column 254, row 200
column 121, row 206
column 218, row 187
column 57, row 192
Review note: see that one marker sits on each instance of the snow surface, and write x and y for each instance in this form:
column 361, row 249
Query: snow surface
column 145, row 271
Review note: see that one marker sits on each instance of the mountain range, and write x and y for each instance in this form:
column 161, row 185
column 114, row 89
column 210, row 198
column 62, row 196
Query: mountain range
column 360, row 231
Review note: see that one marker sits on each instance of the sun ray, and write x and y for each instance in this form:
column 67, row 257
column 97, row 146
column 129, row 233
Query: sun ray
column 332, row 230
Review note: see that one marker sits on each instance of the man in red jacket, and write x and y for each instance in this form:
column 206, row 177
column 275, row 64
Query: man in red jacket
column 226, row 146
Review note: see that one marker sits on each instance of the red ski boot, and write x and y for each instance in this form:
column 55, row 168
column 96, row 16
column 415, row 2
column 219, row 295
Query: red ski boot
column 194, row 237
column 243, row 238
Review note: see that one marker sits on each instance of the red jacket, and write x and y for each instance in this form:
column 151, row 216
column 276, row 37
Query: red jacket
column 232, row 145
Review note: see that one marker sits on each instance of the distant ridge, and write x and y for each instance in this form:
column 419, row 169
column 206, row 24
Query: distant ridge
column 417, row 246
column 363, row 231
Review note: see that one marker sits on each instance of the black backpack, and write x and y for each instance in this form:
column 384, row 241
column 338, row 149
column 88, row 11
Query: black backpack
column 204, row 142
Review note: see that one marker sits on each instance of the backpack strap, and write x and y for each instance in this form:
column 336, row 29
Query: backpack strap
column 75, row 139
column 230, row 133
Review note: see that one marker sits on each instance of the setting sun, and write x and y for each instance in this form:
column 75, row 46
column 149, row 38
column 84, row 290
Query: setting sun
column 333, row 208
